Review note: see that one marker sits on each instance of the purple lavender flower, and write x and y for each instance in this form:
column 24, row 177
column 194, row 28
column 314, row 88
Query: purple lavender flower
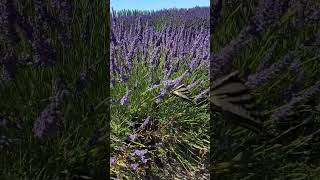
column 160, row 96
column 169, row 84
column 140, row 153
column 194, row 64
column 113, row 82
column 272, row 72
column 307, row 14
column 43, row 17
column 134, row 166
column 113, row 38
column 145, row 123
column 46, row 123
column 65, row 15
column 113, row 159
column 195, row 47
column 290, row 108
column 139, row 29
column 159, row 41
column 65, row 11
column 8, row 17
column 190, row 86
column 167, row 61
column 125, row 98
column 124, row 78
column 153, row 56
column 113, row 60
column 144, row 160
column 221, row 62
column 267, row 13
column 132, row 137
column 44, row 54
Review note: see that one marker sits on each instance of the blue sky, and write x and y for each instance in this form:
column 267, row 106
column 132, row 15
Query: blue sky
column 156, row 4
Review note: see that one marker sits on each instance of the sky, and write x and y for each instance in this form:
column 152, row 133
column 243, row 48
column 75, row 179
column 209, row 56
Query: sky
column 156, row 4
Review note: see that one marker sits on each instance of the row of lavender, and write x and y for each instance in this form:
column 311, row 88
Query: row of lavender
column 268, row 15
column 191, row 18
column 169, row 50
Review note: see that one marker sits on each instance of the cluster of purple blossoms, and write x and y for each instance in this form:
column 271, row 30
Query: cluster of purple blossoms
column 8, row 17
column 125, row 98
column 141, row 154
column 170, row 49
column 36, row 28
column 47, row 122
column 258, row 79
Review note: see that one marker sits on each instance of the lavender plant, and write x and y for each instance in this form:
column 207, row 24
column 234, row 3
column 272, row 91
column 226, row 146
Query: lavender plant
column 150, row 57
column 273, row 45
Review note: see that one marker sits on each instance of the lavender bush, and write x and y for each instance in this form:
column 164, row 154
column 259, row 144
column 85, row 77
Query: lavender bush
column 149, row 56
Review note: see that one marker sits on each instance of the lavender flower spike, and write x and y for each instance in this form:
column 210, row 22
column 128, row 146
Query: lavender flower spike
column 272, row 72
column 145, row 123
column 140, row 153
column 113, row 160
column 132, row 137
column 134, row 166
column 289, row 109
column 125, row 98
column 46, row 123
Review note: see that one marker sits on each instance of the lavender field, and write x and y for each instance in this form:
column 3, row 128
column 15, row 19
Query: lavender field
column 275, row 47
column 53, row 89
column 154, row 134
